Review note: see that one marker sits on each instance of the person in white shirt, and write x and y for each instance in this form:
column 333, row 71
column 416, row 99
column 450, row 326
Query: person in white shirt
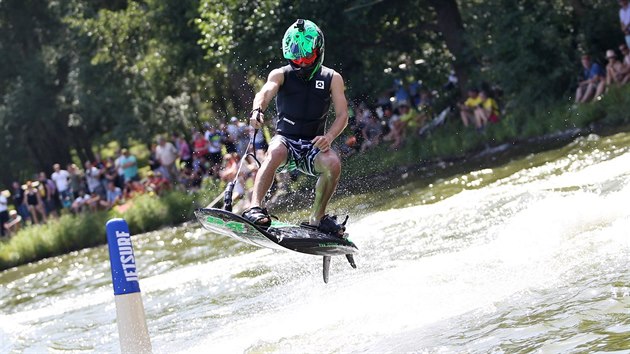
column 166, row 154
column 93, row 179
column 84, row 200
column 62, row 181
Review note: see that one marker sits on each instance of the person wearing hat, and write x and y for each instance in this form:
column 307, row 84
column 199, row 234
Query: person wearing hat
column 616, row 71
column 593, row 81
column 12, row 225
column 304, row 90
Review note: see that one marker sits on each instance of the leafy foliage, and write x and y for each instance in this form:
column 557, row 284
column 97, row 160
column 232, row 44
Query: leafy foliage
column 76, row 74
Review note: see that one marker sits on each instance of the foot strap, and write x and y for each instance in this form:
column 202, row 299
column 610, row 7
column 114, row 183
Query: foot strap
column 257, row 216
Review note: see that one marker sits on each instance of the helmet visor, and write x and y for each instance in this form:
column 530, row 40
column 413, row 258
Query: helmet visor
column 306, row 60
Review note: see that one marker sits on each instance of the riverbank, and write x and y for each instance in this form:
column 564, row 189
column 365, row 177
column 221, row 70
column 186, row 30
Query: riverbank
column 450, row 150
column 74, row 232
column 446, row 151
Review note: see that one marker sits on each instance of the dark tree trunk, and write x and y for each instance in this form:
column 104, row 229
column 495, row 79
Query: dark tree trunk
column 50, row 146
column 450, row 24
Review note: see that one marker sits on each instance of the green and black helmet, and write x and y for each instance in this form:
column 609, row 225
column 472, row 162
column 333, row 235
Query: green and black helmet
column 303, row 47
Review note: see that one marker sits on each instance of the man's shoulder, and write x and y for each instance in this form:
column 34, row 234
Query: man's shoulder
column 329, row 71
column 283, row 70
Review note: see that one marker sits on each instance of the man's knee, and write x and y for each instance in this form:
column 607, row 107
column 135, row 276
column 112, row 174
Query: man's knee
column 276, row 155
column 329, row 162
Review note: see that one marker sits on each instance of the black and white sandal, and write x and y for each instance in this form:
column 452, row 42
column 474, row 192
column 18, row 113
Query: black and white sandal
column 258, row 216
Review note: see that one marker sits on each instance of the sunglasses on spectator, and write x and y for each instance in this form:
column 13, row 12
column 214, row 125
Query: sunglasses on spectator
column 308, row 60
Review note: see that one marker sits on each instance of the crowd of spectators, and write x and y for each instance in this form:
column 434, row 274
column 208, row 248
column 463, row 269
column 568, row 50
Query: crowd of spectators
column 595, row 80
column 103, row 184
column 410, row 111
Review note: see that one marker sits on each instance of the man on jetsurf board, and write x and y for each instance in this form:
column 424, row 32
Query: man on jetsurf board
column 303, row 90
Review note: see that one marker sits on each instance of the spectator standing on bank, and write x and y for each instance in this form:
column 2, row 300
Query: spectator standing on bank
column 48, row 192
column 166, row 155
column 243, row 138
column 119, row 168
column 4, row 213
column 93, row 180
column 624, row 19
column 183, row 149
column 129, row 164
column 232, row 132
column 200, row 146
column 593, row 81
column 111, row 173
column 76, row 180
column 215, row 144
column 260, row 145
column 62, row 182
column 18, row 202
column 34, row 202
column 154, row 164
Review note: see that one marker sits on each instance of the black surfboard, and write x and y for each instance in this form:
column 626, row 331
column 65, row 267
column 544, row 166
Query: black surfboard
column 279, row 235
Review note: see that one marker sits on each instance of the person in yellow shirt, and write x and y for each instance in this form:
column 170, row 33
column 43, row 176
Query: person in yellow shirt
column 487, row 110
column 467, row 109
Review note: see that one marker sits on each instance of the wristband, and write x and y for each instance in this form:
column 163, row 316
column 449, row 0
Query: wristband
column 259, row 110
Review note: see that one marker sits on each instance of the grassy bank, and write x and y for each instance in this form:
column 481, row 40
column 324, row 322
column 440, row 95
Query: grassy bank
column 74, row 232
column 452, row 141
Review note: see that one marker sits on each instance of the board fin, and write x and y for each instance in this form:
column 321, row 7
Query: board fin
column 351, row 261
column 326, row 268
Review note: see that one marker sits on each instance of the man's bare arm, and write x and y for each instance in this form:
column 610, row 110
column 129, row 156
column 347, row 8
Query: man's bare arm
column 264, row 96
column 341, row 114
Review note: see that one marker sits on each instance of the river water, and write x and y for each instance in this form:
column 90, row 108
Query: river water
column 529, row 255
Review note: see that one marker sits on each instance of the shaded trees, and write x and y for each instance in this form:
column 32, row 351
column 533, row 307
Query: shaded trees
column 77, row 72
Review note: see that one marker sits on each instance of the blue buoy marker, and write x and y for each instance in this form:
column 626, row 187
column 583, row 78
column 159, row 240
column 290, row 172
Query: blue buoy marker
column 132, row 324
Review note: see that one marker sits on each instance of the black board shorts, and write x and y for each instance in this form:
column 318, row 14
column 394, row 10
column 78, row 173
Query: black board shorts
column 301, row 155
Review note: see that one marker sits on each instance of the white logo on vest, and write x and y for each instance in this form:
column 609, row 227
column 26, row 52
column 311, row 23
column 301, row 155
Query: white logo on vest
column 319, row 84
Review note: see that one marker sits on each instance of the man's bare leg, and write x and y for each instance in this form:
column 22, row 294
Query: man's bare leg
column 601, row 87
column 329, row 165
column 275, row 157
column 588, row 93
column 578, row 93
column 464, row 116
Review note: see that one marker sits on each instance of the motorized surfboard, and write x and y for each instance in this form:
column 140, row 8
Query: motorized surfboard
column 280, row 236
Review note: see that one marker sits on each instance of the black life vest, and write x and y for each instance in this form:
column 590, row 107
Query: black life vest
column 303, row 105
